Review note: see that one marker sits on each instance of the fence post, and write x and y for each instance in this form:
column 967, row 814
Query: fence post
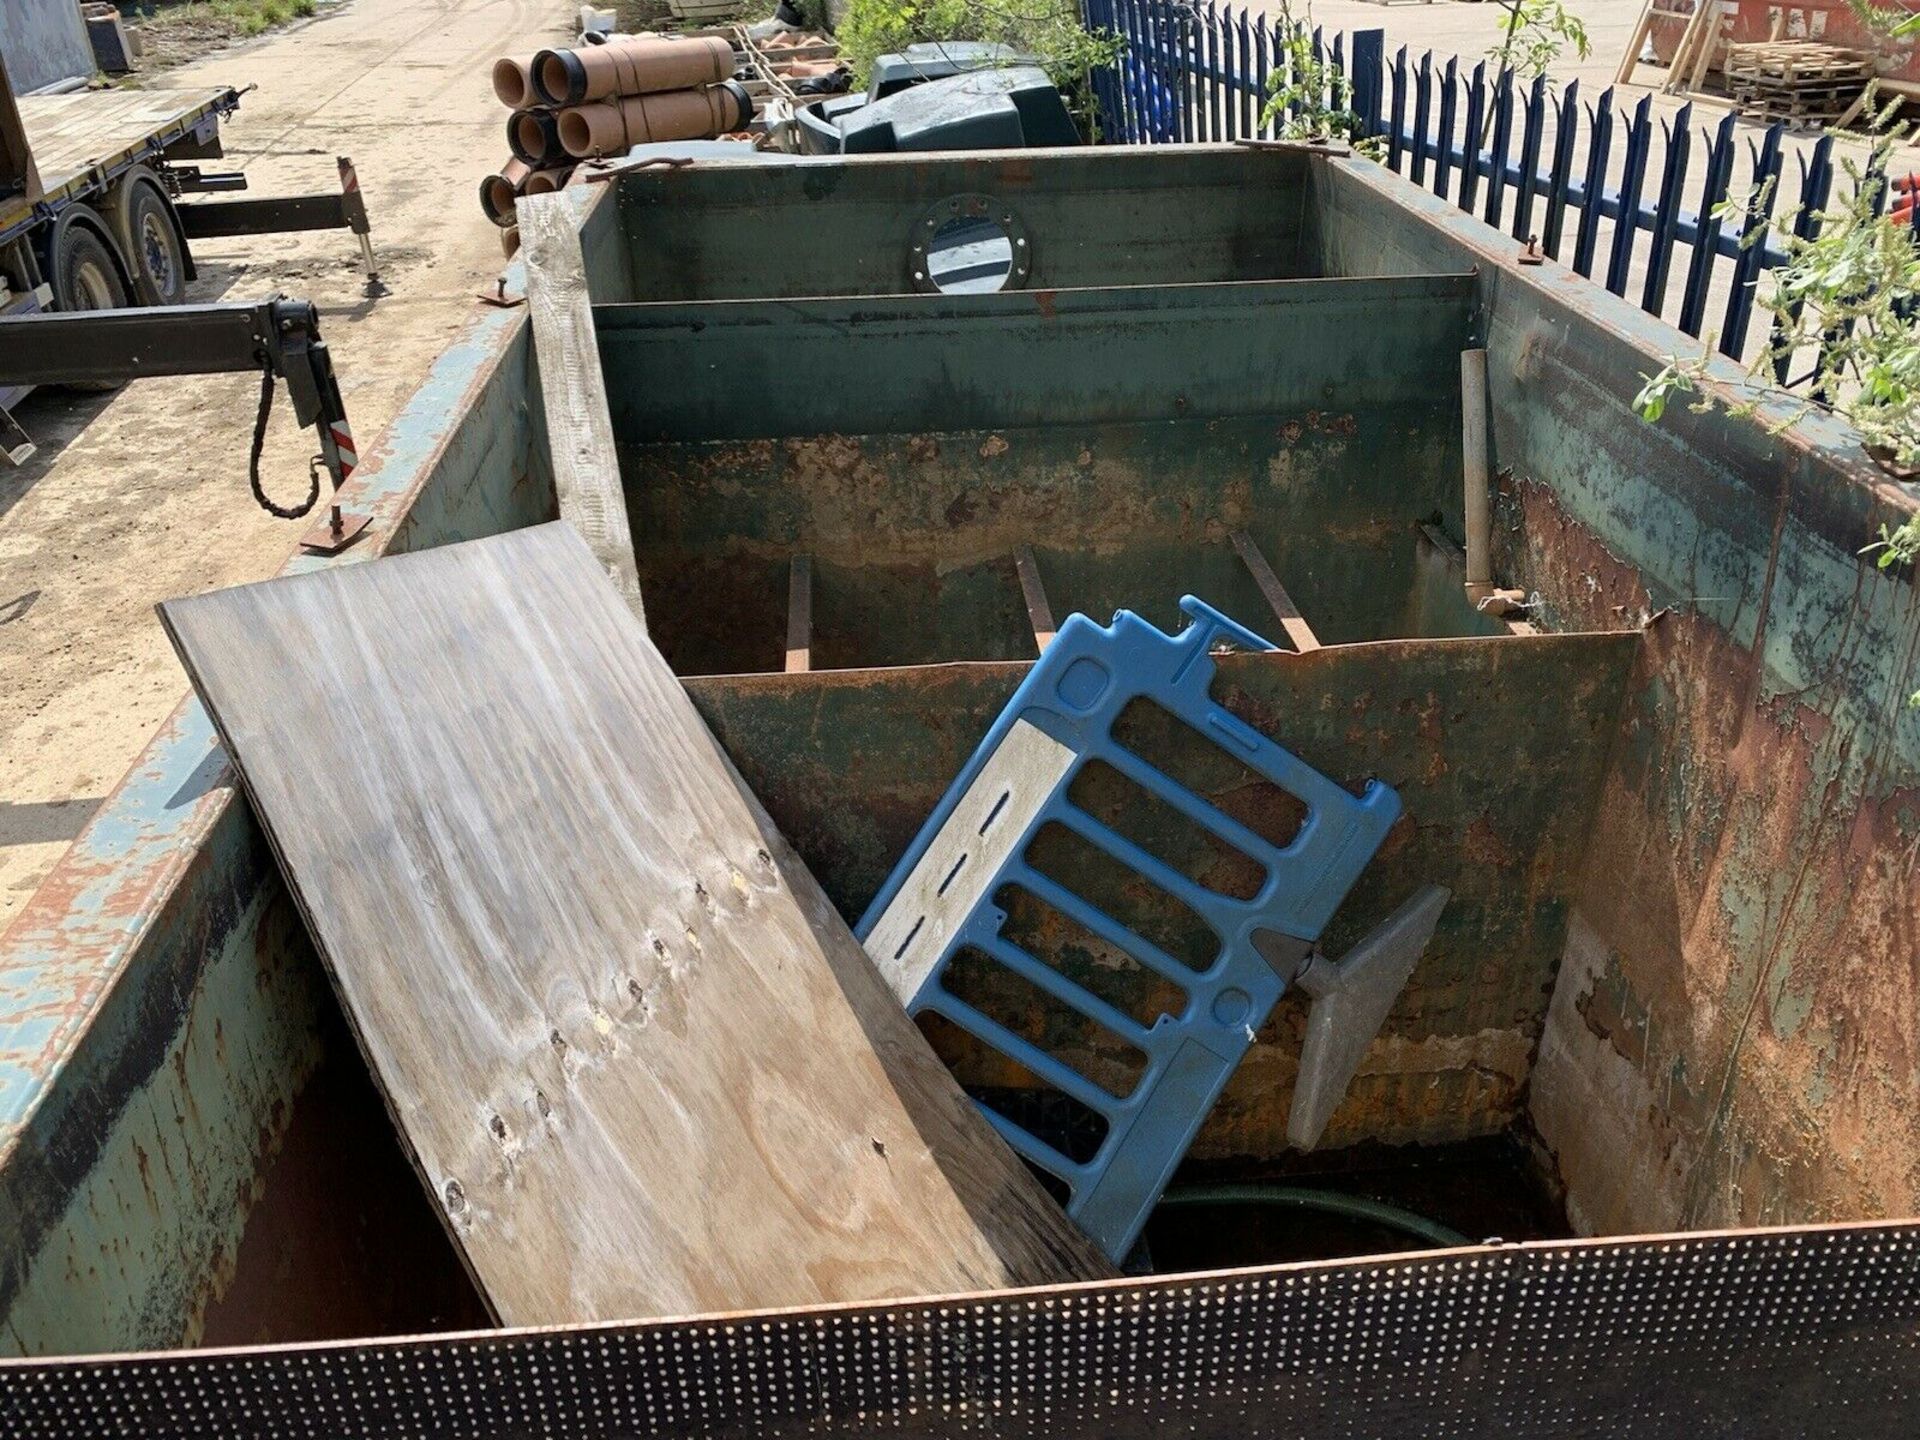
column 1565, row 133
column 1586, row 233
column 1706, row 239
column 1746, row 267
column 1449, row 93
column 1397, row 115
column 1666, row 213
column 1368, row 75
column 1422, row 98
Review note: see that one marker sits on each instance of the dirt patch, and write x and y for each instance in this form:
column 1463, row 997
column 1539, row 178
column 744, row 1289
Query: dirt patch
column 192, row 28
column 632, row 16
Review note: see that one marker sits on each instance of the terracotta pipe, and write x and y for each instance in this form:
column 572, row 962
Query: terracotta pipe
column 614, row 126
column 517, row 178
column 534, row 136
column 513, row 82
column 644, row 65
column 497, row 192
column 510, row 241
column 543, row 181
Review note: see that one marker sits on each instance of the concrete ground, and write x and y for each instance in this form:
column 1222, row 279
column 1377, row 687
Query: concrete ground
column 1469, row 28
column 142, row 495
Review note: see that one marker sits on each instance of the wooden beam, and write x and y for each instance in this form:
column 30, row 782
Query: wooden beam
column 1289, row 616
column 1631, row 55
column 586, row 465
column 1039, row 613
column 800, row 615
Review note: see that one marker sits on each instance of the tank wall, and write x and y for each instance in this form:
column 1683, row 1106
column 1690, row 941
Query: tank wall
column 173, row 1040
column 1497, row 814
column 1734, row 1030
column 1124, row 435
column 912, row 538
column 1096, row 216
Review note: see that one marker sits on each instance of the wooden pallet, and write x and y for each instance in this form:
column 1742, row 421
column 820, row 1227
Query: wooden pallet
column 1793, row 115
column 1801, row 82
column 1794, row 63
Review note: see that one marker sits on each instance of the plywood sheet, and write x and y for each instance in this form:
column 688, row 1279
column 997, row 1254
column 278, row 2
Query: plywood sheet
column 641, row 1063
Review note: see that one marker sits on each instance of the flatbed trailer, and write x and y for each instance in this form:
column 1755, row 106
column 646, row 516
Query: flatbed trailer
column 95, row 216
column 84, row 141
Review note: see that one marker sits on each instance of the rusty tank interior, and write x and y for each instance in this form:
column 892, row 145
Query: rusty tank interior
column 1674, row 989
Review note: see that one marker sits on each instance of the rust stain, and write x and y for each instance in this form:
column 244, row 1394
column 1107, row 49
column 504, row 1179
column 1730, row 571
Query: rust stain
column 1482, row 844
column 1752, row 871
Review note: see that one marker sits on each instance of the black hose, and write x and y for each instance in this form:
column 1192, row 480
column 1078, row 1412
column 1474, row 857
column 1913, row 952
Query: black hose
column 280, row 512
column 1329, row 1202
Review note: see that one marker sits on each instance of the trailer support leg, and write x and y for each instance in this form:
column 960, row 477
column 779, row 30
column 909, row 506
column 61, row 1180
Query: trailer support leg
column 354, row 206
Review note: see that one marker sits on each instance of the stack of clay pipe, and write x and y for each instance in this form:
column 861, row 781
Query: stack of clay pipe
column 600, row 100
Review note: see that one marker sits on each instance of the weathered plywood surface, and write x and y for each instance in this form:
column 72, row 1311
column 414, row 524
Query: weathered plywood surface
column 642, row 1066
column 586, row 467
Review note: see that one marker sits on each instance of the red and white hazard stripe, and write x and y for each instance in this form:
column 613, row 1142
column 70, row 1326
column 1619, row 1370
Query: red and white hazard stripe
column 343, row 444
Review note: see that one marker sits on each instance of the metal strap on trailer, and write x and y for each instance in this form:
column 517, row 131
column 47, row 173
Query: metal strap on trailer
column 1802, row 1331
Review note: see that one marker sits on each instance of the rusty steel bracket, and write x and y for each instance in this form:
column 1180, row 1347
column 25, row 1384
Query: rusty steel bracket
column 498, row 297
column 1310, row 147
column 335, row 533
column 601, row 171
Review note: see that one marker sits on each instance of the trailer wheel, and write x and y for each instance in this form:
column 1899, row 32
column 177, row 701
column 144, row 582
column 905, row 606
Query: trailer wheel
column 84, row 272
column 150, row 241
column 85, row 275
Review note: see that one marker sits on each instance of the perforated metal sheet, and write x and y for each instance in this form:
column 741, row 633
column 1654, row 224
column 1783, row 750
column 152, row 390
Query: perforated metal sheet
column 1787, row 1332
